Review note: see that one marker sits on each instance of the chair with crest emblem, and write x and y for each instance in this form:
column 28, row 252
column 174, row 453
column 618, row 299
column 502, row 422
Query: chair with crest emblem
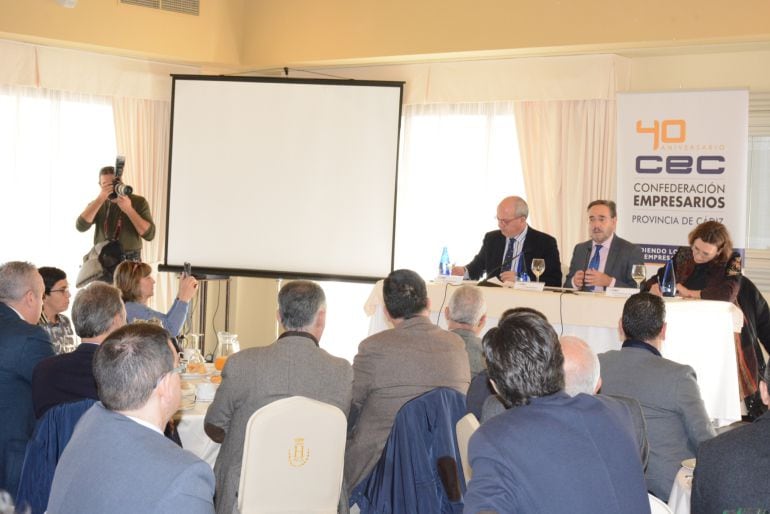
column 293, row 458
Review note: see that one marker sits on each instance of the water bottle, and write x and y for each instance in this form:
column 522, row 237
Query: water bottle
column 444, row 269
column 668, row 282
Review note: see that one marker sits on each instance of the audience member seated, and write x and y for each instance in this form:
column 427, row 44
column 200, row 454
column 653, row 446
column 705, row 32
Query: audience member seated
column 732, row 469
column 480, row 390
column 549, row 452
column 134, row 279
column 466, row 316
column 56, row 299
column 22, row 345
column 396, row 365
column 117, row 460
column 97, row 312
column 677, row 422
column 293, row 365
column 755, row 331
column 582, row 374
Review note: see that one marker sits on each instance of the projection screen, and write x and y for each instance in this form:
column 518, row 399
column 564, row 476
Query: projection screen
column 283, row 177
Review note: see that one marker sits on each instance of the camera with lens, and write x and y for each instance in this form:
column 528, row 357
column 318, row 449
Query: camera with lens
column 118, row 187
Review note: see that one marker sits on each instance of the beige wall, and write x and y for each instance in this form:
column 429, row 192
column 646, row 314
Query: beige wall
column 213, row 37
column 256, row 34
column 306, row 31
column 697, row 71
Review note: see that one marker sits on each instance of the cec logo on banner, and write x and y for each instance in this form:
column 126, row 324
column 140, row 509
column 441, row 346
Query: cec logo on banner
column 681, row 161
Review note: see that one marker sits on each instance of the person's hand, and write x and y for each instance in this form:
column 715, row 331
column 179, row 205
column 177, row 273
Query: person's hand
column 686, row 293
column 188, row 285
column 597, row 278
column 508, row 276
column 655, row 289
column 458, row 271
column 124, row 203
column 104, row 193
column 578, row 279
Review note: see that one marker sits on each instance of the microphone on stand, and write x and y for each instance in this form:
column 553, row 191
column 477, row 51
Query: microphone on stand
column 585, row 268
column 491, row 274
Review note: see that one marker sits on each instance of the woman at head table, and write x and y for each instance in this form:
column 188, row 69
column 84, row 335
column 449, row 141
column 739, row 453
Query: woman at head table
column 706, row 269
column 136, row 285
column 56, row 300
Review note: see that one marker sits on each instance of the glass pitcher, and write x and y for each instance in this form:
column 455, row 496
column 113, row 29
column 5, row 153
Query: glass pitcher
column 228, row 345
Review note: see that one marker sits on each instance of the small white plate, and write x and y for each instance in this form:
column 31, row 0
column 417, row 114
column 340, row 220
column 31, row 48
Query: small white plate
column 206, row 400
column 688, row 464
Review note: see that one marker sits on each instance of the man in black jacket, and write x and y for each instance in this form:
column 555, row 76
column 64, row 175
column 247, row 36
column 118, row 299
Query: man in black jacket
column 507, row 253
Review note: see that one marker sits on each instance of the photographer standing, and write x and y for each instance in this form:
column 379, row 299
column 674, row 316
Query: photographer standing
column 122, row 217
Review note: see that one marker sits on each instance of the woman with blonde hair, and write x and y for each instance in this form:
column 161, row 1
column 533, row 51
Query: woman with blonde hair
column 134, row 279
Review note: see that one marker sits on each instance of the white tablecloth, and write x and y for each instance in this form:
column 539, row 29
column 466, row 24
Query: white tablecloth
column 700, row 333
column 194, row 439
column 679, row 501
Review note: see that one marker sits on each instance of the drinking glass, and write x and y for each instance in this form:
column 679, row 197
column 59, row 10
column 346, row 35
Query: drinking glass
column 538, row 267
column 639, row 274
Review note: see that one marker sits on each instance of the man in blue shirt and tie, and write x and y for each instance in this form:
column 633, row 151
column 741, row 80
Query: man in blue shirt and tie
column 605, row 260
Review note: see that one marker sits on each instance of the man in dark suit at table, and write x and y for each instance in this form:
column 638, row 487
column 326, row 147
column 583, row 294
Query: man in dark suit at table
column 507, row 253
column 677, row 422
column 22, row 345
column 96, row 312
column 606, row 259
column 294, row 365
column 396, row 365
column 118, row 460
column 732, row 469
column 550, row 452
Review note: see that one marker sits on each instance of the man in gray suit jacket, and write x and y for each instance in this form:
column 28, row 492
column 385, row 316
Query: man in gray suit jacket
column 466, row 315
column 118, row 460
column 293, row 365
column 677, row 422
column 616, row 256
column 396, row 365
column 733, row 467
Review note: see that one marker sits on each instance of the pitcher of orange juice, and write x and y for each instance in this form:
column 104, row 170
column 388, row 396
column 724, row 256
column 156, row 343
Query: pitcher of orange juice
column 228, row 345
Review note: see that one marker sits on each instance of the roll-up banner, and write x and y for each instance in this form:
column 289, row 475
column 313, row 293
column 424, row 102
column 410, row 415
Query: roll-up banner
column 682, row 160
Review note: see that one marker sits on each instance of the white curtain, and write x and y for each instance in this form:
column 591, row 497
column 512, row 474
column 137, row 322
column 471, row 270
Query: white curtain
column 52, row 145
column 568, row 158
column 456, row 162
column 142, row 131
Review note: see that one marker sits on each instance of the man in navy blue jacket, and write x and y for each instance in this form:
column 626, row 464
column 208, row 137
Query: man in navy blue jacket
column 552, row 453
column 22, row 345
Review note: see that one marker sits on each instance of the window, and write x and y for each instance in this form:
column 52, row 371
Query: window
column 52, row 146
column 456, row 162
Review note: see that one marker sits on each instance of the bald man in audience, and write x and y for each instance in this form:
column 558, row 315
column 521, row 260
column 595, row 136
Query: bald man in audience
column 466, row 316
column 549, row 452
column 582, row 375
column 22, row 345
